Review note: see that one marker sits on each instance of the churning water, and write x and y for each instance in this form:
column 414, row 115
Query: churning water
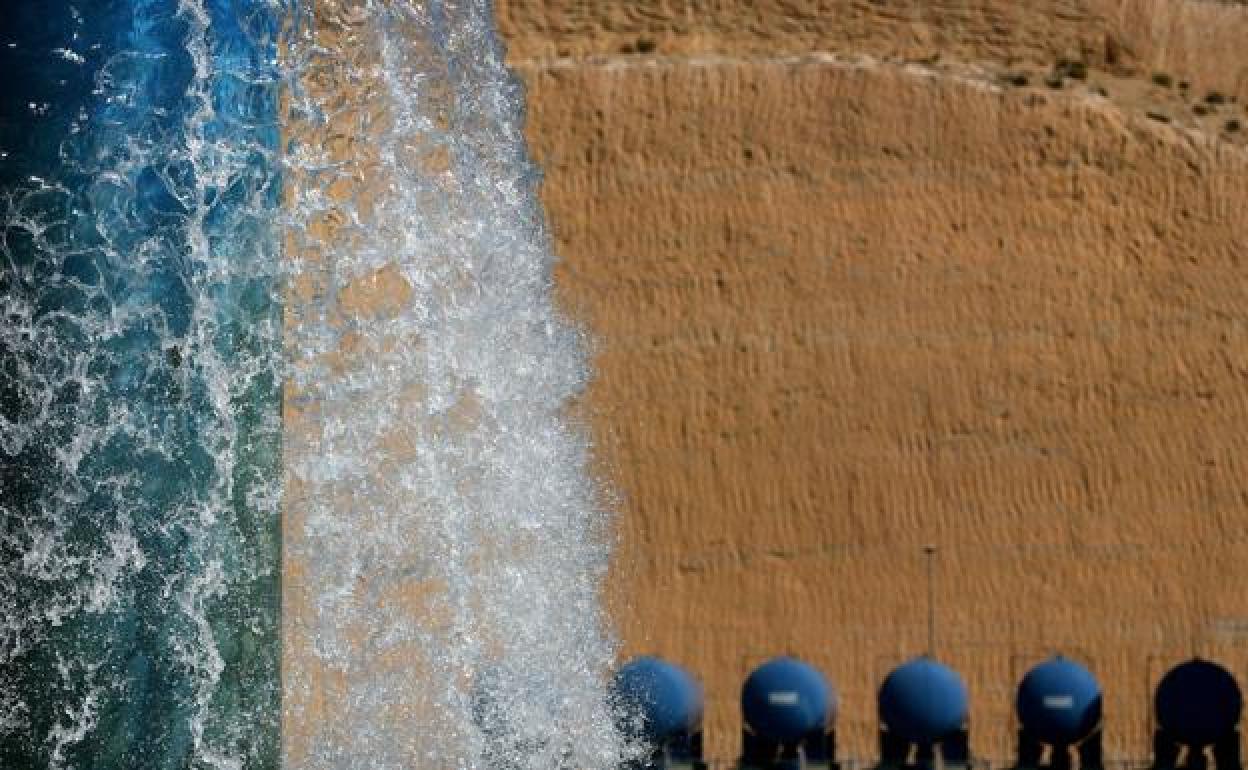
column 440, row 504
column 205, row 202
column 139, row 410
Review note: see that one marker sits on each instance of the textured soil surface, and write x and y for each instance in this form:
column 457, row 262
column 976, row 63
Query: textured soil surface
column 865, row 276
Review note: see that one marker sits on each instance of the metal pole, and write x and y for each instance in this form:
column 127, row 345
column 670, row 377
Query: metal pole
column 930, row 553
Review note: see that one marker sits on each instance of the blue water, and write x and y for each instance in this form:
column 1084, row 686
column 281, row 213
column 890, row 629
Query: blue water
column 139, row 384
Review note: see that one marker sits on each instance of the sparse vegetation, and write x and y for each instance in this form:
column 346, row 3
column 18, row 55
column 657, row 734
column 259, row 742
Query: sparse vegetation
column 1054, row 80
column 1233, row 126
column 1215, row 97
column 1200, row 109
column 1017, row 79
column 1160, row 117
column 1163, row 79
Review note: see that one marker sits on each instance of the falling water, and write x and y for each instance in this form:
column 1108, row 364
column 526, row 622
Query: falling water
column 139, row 402
column 444, row 540
column 201, row 200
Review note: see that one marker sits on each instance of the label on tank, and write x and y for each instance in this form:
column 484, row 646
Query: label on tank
column 1059, row 701
column 782, row 698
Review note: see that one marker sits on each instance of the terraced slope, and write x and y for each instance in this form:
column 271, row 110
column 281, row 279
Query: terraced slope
column 862, row 280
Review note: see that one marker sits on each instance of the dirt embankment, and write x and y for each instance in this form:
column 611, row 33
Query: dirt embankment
column 862, row 280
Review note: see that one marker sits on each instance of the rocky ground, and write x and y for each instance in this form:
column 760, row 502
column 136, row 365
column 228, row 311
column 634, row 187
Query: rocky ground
column 868, row 275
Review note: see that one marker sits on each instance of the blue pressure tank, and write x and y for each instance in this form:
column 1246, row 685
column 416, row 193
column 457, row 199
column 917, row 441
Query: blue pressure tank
column 923, row 701
column 1059, row 702
column 666, row 697
column 785, row 699
column 1198, row 702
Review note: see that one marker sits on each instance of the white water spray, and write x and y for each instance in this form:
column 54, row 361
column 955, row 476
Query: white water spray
column 445, row 543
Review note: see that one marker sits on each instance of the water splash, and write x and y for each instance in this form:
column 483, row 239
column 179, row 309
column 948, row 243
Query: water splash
column 445, row 542
column 139, row 410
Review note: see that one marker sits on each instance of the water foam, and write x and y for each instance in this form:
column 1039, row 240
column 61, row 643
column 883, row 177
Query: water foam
column 139, row 411
column 446, row 542
column 447, row 538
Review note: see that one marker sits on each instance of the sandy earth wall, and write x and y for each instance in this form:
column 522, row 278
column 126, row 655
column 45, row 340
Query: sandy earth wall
column 853, row 293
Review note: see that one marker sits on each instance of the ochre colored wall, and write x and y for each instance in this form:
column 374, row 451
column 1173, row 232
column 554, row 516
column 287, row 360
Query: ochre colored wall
column 851, row 295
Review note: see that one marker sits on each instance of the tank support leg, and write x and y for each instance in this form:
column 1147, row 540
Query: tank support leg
column 1091, row 753
column 1165, row 751
column 1029, row 751
column 955, row 749
column 1059, row 757
column 1226, row 752
column 893, row 752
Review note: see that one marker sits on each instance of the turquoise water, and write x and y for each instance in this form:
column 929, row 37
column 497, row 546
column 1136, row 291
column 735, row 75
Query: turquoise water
column 139, row 384
column 448, row 540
